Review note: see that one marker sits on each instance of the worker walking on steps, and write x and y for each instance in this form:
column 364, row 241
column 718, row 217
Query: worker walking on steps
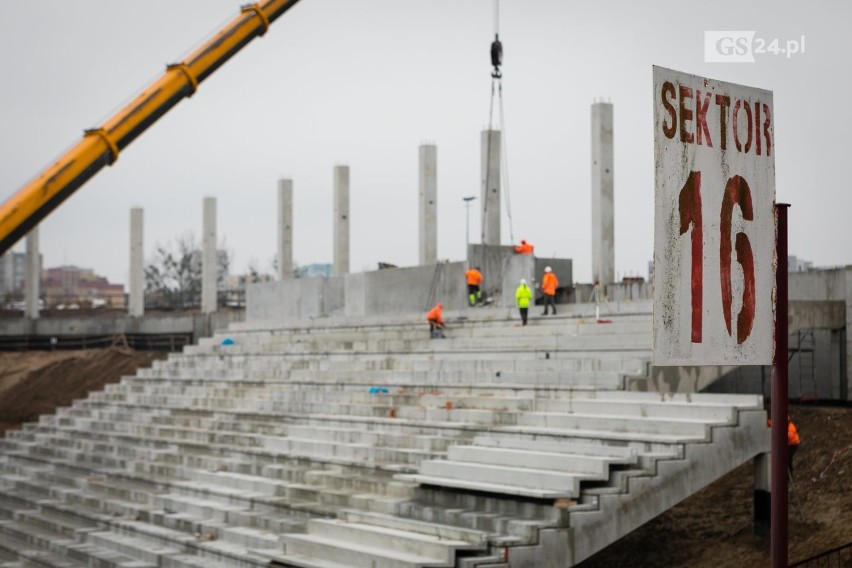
column 549, row 283
column 523, row 295
column 524, row 248
column 474, row 283
column 436, row 322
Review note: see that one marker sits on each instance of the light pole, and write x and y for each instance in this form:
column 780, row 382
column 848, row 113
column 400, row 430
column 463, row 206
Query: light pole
column 467, row 202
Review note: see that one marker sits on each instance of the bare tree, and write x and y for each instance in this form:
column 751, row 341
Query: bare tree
column 173, row 274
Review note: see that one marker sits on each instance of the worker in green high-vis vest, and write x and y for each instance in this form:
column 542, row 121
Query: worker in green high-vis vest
column 523, row 295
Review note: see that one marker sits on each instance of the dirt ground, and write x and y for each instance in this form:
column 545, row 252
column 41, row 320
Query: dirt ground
column 36, row 382
column 712, row 529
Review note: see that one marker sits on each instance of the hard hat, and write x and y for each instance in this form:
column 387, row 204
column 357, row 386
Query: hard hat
column 547, row 269
column 523, row 280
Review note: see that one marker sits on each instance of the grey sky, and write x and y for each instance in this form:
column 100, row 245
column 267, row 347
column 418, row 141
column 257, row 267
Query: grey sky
column 364, row 82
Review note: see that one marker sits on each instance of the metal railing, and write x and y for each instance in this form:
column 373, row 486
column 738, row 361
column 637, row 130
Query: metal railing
column 840, row 557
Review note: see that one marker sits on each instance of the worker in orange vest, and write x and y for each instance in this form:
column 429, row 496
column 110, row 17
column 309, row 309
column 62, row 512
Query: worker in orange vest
column 524, row 248
column 792, row 443
column 474, row 281
column 436, row 322
column 549, row 283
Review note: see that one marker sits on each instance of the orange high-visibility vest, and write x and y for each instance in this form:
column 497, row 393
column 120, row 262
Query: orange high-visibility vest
column 524, row 248
column 792, row 434
column 435, row 314
column 474, row 277
column 549, row 284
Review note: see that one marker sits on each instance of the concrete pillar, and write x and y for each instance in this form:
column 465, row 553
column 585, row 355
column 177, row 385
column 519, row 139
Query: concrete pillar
column 428, row 183
column 762, row 494
column 136, row 301
column 208, row 257
column 490, row 194
column 33, row 281
column 285, row 229
column 341, row 220
column 603, row 220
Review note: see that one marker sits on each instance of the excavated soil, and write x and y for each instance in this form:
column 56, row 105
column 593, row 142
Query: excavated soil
column 712, row 529
column 37, row 382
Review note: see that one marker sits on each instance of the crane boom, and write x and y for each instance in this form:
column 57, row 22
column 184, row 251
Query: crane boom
column 100, row 147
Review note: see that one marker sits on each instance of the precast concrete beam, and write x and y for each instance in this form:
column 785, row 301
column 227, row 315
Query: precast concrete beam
column 136, row 300
column 603, row 212
column 208, row 257
column 490, row 187
column 341, row 220
column 428, row 198
column 285, row 229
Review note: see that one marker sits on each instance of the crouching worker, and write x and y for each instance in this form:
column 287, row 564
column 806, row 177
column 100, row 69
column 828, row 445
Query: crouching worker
column 436, row 322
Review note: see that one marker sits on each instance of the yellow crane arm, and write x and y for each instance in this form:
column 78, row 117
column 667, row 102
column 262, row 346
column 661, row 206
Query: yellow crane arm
column 100, row 147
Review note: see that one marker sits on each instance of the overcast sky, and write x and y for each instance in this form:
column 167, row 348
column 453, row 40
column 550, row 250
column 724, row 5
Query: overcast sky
column 364, row 83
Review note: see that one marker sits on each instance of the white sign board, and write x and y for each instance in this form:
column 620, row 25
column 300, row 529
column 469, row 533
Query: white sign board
column 714, row 227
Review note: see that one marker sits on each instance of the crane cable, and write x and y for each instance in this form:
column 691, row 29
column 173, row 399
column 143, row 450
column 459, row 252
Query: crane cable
column 496, row 80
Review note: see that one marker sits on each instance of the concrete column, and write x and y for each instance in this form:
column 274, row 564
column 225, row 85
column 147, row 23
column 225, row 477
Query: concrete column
column 33, row 282
column 208, row 257
column 490, row 194
column 428, row 183
column 136, row 303
column 341, row 220
column 285, row 229
column 762, row 493
column 603, row 220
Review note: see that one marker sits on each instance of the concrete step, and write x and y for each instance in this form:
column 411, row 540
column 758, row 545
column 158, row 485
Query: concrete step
column 542, row 483
column 354, row 554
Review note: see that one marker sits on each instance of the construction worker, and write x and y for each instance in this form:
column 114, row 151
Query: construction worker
column 792, row 443
column 549, row 283
column 474, row 281
column 523, row 295
column 524, row 248
column 436, row 322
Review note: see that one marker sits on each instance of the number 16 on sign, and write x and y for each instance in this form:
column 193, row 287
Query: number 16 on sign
column 714, row 226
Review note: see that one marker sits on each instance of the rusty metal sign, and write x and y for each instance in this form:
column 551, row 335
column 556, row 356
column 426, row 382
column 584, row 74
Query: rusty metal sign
column 714, row 226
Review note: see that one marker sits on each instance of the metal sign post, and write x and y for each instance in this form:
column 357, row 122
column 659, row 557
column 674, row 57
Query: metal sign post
column 778, row 554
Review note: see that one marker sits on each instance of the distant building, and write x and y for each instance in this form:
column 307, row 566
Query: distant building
column 310, row 270
column 795, row 264
column 69, row 285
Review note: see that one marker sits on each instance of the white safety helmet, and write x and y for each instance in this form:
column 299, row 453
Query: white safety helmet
column 547, row 269
column 523, row 280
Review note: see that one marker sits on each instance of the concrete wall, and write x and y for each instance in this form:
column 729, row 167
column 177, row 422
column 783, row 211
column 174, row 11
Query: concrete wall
column 515, row 267
column 406, row 290
column 380, row 292
column 297, row 298
column 621, row 292
column 819, row 317
column 201, row 325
